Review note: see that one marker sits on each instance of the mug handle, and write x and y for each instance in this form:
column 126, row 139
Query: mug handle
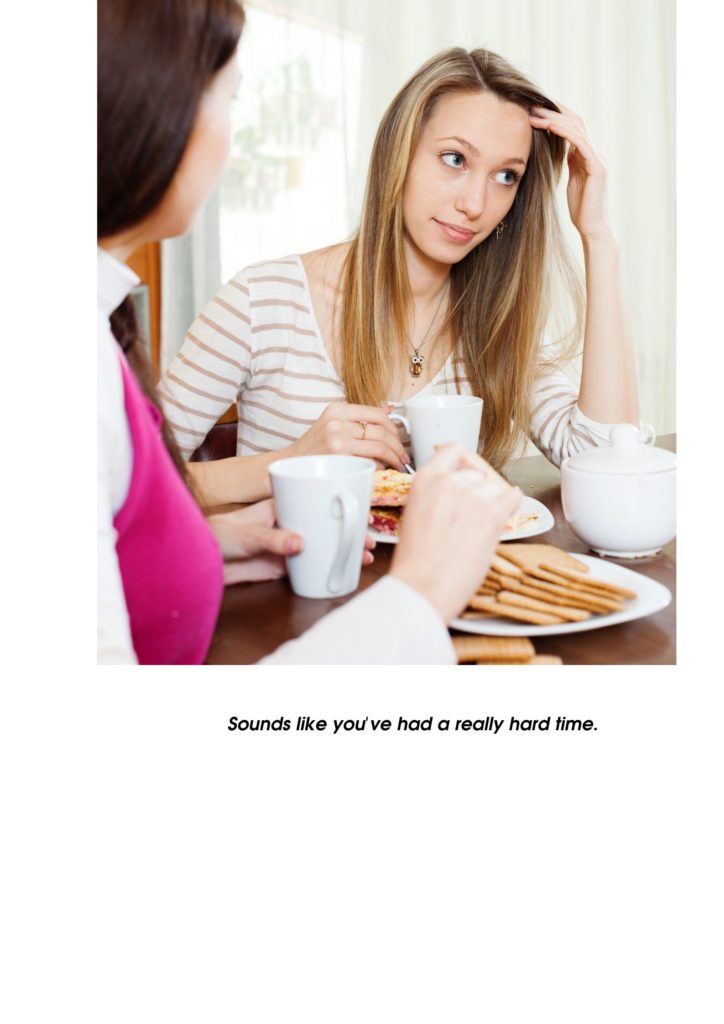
column 397, row 417
column 648, row 434
column 347, row 512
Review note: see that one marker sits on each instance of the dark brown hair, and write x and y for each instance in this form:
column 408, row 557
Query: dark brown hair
column 155, row 59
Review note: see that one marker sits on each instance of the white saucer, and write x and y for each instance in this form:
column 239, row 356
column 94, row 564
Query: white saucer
column 542, row 522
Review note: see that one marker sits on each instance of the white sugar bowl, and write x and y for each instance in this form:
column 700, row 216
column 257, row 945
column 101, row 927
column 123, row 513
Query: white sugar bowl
column 620, row 499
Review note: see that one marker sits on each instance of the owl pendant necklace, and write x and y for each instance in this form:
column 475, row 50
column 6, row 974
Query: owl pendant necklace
column 417, row 361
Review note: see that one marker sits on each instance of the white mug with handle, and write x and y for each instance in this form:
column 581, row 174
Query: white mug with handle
column 326, row 500
column 432, row 420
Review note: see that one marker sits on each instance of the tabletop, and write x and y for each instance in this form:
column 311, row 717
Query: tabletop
column 256, row 618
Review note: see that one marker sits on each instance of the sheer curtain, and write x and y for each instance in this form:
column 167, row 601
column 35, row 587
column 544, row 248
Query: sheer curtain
column 317, row 76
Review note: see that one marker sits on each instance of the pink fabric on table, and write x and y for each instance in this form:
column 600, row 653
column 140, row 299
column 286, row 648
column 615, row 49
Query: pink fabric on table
column 170, row 563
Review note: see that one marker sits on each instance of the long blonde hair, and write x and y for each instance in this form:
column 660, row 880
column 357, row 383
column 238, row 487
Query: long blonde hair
column 500, row 293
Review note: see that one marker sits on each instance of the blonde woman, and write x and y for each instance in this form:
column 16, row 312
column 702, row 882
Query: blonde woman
column 448, row 285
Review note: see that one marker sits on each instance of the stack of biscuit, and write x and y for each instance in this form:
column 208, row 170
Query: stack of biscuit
column 544, row 586
column 500, row 650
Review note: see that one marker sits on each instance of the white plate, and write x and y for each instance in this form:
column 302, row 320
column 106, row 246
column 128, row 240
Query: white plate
column 543, row 522
column 651, row 597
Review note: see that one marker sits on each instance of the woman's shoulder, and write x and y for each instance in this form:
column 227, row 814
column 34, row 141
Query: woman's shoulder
column 283, row 271
column 321, row 268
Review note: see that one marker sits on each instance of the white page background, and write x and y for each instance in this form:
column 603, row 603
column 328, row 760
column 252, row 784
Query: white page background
column 160, row 868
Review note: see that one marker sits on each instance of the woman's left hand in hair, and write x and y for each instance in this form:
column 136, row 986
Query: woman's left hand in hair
column 254, row 547
column 586, row 169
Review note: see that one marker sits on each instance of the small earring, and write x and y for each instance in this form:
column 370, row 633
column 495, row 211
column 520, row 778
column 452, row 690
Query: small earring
column 500, row 229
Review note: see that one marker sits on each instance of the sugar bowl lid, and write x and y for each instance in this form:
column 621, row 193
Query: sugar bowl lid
column 629, row 451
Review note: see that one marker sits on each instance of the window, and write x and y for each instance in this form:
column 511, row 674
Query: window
column 295, row 126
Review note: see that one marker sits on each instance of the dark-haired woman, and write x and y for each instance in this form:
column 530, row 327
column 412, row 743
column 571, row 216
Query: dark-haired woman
column 167, row 73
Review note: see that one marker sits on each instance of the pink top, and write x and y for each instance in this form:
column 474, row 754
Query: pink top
column 170, row 563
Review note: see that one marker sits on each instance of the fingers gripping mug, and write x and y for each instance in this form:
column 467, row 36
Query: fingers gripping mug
column 432, row 420
column 325, row 499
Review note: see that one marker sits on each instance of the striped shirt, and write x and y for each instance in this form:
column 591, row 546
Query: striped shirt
column 257, row 343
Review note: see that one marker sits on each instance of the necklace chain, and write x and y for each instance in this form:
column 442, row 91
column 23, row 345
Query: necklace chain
column 417, row 361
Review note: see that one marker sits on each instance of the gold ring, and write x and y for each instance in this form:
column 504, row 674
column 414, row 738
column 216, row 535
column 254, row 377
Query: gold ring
column 363, row 424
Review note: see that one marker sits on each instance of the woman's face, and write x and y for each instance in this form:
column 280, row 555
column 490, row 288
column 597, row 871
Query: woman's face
column 465, row 173
column 204, row 158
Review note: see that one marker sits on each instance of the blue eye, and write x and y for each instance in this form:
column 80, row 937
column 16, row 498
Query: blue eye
column 453, row 159
column 512, row 178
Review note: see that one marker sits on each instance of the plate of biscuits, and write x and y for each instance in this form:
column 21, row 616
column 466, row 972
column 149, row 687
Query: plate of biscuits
column 389, row 497
column 541, row 590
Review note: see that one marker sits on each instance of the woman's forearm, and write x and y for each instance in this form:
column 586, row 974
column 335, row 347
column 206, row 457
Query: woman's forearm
column 609, row 391
column 242, row 478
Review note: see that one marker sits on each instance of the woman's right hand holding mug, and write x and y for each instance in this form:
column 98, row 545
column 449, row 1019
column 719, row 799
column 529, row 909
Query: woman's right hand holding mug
column 345, row 429
column 454, row 517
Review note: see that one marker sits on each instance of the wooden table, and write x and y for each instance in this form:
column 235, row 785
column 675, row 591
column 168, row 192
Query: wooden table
column 256, row 618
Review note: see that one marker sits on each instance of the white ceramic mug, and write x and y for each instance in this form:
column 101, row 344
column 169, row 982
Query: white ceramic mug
column 432, row 420
column 326, row 500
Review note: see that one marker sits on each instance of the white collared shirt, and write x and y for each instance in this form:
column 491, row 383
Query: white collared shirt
column 114, row 463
